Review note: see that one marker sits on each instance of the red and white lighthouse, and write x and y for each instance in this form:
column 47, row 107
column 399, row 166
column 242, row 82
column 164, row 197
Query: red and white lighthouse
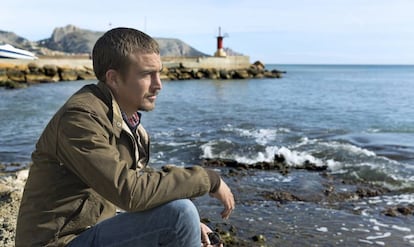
column 220, row 52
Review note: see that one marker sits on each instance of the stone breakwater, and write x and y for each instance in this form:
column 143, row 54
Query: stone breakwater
column 17, row 75
column 255, row 70
column 21, row 75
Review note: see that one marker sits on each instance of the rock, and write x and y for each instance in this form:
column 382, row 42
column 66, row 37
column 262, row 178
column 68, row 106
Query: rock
column 185, row 76
column 259, row 238
column 67, row 74
column 280, row 196
column 13, row 76
column 86, row 75
column 370, row 192
column 269, row 74
column 34, row 68
column 212, row 74
column 259, row 65
column 241, row 74
column 3, row 77
column 16, row 75
column 50, row 69
column 36, row 78
column 224, row 74
column 11, row 189
column 392, row 212
column 405, row 210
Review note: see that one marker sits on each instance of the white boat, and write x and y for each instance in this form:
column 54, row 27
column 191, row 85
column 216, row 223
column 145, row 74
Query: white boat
column 9, row 51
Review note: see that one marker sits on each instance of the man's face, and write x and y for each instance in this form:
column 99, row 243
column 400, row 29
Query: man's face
column 139, row 87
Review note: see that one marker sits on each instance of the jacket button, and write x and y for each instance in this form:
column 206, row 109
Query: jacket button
column 118, row 124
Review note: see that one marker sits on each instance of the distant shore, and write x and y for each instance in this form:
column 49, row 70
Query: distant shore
column 16, row 73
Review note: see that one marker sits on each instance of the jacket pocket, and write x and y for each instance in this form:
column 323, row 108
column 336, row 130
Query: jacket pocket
column 84, row 217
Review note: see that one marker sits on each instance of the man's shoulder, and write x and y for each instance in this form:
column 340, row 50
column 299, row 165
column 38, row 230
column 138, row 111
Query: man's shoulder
column 90, row 98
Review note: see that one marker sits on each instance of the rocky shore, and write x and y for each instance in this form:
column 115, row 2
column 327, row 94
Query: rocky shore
column 316, row 195
column 18, row 75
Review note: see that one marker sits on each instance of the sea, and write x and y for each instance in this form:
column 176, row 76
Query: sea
column 356, row 119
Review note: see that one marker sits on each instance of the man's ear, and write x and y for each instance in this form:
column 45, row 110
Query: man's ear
column 111, row 77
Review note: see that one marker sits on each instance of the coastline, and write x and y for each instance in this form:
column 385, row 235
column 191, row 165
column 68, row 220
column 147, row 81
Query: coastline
column 243, row 229
column 17, row 73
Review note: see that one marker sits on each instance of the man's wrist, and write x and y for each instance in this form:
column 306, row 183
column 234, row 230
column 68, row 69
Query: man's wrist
column 215, row 180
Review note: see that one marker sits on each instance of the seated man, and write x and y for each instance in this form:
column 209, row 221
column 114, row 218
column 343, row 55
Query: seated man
column 92, row 158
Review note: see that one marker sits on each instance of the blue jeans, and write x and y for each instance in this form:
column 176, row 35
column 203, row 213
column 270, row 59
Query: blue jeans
column 176, row 223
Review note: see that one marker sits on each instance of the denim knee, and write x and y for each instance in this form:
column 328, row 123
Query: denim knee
column 187, row 223
column 185, row 210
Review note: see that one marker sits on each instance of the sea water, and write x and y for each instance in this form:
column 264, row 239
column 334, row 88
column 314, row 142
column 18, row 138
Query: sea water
column 357, row 119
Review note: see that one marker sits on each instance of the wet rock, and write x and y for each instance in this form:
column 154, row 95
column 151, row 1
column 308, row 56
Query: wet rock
column 395, row 211
column 259, row 238
column 278, row 164
column 280, row 196
column 392, row 212
column 406, row 210
column 14, row 85
column 370, row 191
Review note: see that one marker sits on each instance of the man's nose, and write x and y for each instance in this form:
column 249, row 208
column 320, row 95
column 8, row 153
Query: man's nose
column 156, row 82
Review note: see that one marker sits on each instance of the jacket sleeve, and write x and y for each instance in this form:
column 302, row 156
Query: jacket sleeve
column 84, row 147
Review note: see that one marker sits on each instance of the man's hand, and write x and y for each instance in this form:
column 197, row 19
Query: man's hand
column 205, row 241
column 226, row 197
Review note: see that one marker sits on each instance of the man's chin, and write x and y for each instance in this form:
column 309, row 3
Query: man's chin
column 147, row 108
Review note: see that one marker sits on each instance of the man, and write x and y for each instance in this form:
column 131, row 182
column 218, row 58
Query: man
column 92, row 158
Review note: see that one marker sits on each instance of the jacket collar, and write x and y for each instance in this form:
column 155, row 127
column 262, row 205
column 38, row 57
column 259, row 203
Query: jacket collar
column 117, row 120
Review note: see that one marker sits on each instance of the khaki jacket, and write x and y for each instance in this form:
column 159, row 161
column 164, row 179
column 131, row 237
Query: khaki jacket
column 87, row 163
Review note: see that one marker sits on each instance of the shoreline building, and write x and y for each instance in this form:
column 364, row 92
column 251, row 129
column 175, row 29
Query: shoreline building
column 220, row 51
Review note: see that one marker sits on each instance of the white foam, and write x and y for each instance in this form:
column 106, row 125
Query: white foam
column 400, row 228
column 385, row 235
column 349, row 148
column 261, row 136
column 295, row 158
column 266, row 156
column 207, row 149
column 365, row 241
column 377, row 223
column 322, row 229
column 398, row 199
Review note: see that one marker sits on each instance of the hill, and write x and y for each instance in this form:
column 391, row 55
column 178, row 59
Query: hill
column 74, row 40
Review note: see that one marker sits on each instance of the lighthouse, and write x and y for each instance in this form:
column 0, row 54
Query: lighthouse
column 220, row 52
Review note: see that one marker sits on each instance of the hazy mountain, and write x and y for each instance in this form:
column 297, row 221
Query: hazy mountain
column 15, row 40
column 72, row 39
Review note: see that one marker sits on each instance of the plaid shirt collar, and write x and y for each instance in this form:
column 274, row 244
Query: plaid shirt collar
column 132, row 121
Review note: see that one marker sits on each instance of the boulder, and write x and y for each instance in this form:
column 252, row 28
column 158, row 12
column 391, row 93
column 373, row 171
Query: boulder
column 241, row 74
column 67, row 74
column 224, row 74
column 259, row 65
column 16, row 75
column 34, row 68
column 50, row 69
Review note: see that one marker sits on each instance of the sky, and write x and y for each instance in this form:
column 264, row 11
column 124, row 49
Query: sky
column 275, row 32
